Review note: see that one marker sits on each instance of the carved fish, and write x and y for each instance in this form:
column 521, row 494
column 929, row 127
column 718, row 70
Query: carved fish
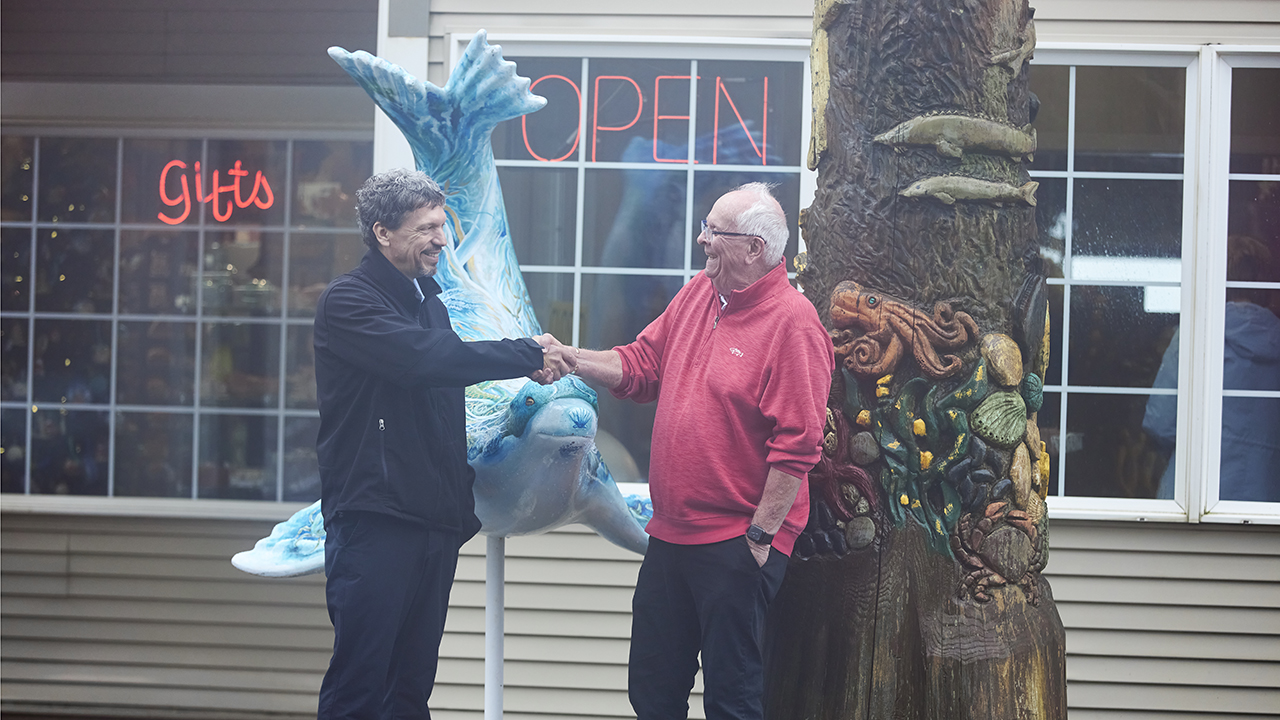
column 532, row 447
column 947, row 189
column 954, row 135
column 1014, row 58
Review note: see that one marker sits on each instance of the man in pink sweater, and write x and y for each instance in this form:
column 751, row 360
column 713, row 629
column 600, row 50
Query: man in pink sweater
column 740, row 367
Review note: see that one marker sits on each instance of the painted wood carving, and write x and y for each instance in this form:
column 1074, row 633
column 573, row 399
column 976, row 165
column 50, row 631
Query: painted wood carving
column 916, row 589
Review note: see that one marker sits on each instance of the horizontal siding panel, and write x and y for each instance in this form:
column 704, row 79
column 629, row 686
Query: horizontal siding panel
column 296, row 591
column 1173, row 672
column 32, row 542
column 259, row 680
column 1166, row 644
column 1166, row 591
column 1164, row 538
column 204, row 613
column 573, row 572
column 1118, row 696
column 62, row 694
column 137, row 653
column 1202, row 566
column 1172, row 618
column 168, row 633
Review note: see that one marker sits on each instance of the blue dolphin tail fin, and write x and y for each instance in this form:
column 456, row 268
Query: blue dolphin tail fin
column 294, row 547
column 449, row 122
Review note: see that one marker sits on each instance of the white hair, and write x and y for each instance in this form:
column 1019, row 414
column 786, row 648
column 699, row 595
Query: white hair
column 764, row 219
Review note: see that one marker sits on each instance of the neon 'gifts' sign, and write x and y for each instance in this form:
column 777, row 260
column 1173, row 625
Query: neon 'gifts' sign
column 175, row 191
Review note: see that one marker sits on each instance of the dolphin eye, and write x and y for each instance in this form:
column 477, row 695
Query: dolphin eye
column 528, row 402
column 872, row 300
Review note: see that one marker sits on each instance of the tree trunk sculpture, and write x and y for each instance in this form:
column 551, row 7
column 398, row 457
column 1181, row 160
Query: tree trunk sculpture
column 915, row 591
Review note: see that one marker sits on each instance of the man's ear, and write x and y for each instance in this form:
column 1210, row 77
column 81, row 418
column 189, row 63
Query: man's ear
column 380, row 233
column 755, row 250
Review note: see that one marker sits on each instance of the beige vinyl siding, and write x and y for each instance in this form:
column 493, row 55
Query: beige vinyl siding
column 127, row 615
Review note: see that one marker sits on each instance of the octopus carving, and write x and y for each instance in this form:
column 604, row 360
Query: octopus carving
column 889, row 326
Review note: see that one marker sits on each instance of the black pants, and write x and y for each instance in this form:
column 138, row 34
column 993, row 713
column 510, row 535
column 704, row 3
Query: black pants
column 388, row 592
column 701, row 598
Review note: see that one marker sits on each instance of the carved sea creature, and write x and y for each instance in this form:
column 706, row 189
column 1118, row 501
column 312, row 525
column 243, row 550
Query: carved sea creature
column 888, row 326
column 532, row 448
column 997, row 546
column 1004, row 359
column 955, row 135
column 1001, row 418
column 1014, row 58
column 947, row 189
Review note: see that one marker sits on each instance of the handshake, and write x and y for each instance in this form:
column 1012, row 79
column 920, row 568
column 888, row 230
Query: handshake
column 558, row 360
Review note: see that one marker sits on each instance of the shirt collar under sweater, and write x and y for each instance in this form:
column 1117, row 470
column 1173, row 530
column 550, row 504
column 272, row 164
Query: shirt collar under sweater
column 407, row 293
column 766, row 287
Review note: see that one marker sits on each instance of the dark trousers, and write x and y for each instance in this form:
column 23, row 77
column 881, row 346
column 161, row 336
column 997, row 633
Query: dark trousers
column 701, row 598
column 388, row 592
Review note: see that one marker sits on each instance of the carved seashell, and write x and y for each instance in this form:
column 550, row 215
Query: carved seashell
column 863, row 449
column 1032, row 389
column 1036, row 508
column 1001, row 419
column 1042, row 362
column 863, row 506
column 1029, row 310
column 1007, row 550
column 1004, row 359
column 1044, row 471
column 859, row 532
column 1020, row 474
column 829, row 444
column 1033, row 437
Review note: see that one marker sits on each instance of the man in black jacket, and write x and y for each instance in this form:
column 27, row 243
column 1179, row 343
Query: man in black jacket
column 395, row 483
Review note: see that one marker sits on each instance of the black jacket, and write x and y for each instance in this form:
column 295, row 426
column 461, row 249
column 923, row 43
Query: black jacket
column 389, row 380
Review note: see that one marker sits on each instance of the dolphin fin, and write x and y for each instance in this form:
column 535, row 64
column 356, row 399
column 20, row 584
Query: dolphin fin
column 606, row 512
column 294, row 547
column 1028, row 193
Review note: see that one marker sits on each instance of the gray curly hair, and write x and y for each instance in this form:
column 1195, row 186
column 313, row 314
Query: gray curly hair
column 390, row 196
column 764, row 219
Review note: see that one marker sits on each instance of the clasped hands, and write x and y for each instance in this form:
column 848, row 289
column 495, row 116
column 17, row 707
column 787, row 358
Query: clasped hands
column 558, row 360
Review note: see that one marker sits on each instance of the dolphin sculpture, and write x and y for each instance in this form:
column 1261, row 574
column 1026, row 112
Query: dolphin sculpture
column 532, row 446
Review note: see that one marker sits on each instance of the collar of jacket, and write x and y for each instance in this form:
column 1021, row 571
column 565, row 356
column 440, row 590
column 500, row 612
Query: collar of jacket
column 386, row 276
column 774, row 282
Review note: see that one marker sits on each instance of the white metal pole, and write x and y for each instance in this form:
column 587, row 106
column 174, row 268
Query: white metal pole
column 494, row 607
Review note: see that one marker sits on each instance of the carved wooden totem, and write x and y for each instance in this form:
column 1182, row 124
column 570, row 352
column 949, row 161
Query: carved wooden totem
column 915, row 591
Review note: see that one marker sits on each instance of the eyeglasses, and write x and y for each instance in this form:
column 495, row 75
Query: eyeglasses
column 707, row 229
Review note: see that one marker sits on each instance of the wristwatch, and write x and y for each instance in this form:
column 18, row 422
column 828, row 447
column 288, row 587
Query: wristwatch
column 757, row 535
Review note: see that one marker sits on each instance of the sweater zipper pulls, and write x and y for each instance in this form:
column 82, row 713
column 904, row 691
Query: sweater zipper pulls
column 381, row 425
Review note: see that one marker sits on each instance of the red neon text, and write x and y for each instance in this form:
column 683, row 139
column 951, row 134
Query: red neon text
column 611, row 85
column 233, row 192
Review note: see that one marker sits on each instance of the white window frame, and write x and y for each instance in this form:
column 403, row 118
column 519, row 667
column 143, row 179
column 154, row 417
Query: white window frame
column 1202, row 285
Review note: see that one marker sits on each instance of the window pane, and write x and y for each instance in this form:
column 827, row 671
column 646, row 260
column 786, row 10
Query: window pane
column 13, row 443
column 1131, row 223
column 13, row 359
column 1053, row 373
column 16, row 165
column 1051, row 84
column 542, row 206
column 73, row 361
column 1109, row 454
column 550, row 134
column 249, row 180
column 709, row 186
column 156, row 363
column 238, row 457
column 552, row 298
column 1051, row 223
column 749, row 113
column 153, row 455
column 74, row 270
column 1117, row 338
column 15, row 267
column 326, row 175
column 1255, row 120
column 243, row 271
column 301, row 468
column 69, row 452
column 1130, row 119
column 159, row 182
column 300, row 378
column 77, row 180
column 240, row 365
column 1250, row 449
column 314, row 260
column 634, row 218
column 158, row 272
column 1049, row 420
column 1251, row 355
column 615, row 308
column 1253, row 226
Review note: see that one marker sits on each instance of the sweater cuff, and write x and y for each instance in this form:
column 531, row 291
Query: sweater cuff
column 794, row 468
